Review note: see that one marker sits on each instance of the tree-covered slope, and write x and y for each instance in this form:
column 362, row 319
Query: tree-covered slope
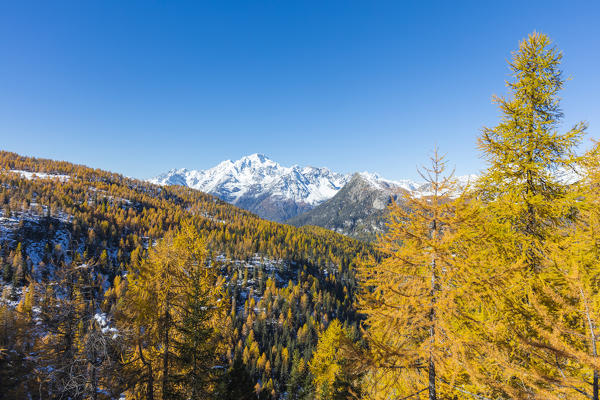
column 282, row 283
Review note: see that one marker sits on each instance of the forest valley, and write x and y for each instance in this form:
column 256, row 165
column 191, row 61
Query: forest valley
column 114, row 288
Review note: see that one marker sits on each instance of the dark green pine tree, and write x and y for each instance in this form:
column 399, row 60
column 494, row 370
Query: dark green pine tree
column 300, row 381
column 7, row 272
column 197, row 344
column 236, row 383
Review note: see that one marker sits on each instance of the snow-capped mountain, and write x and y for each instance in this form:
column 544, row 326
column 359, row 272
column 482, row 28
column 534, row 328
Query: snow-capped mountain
column 275, row 192
column 261, row 185
column 385, row 184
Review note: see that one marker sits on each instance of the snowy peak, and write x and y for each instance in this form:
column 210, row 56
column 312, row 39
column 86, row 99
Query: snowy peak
column 378, row 182
column 258, row 177
column 256, row 159
column 261, row 185
column 252, row 167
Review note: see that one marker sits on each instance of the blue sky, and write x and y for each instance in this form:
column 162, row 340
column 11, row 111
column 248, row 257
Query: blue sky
column 142, row 87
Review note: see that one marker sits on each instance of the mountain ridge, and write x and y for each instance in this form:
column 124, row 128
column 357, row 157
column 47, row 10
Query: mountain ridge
column 351, row 204
column 357, row 210
column 265, row 187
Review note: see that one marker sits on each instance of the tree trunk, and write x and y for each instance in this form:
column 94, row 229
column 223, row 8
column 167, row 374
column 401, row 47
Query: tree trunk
column 595, row 389
column 592, row 328
column 432, row 391
column 150, row 388
column 165, row 376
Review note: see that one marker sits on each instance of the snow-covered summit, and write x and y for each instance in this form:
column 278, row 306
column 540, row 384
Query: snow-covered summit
column 386, row 184
column 257, row 175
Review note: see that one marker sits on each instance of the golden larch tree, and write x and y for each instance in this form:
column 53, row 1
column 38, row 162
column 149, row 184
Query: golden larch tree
column 173, row 311
column 411, row 296
column 520, row 291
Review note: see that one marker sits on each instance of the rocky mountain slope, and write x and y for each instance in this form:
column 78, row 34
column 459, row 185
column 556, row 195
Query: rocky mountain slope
column 357, row 210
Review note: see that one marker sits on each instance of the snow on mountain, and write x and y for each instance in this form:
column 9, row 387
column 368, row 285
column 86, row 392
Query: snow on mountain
column 417, row 188
column 256, row 174
column 385, row 184
column 275, row 192
column 40, row 175
column 465, row 180
column 359, row 209
column 258, row 177
column 569, row 176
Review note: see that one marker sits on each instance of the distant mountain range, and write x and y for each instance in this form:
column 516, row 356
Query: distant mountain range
column 353, row 204
column 261, row 185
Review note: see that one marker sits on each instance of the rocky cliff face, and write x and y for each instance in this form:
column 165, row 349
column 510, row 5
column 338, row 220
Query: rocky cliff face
column 357, row 210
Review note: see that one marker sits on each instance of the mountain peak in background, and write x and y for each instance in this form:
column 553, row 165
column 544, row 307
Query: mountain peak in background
column 359, row 208
column 353, row 204
column 261, row 185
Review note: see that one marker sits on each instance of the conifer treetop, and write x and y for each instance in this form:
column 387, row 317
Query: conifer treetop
column 526, row 147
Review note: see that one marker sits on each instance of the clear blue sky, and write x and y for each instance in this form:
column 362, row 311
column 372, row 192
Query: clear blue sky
column 142, row 87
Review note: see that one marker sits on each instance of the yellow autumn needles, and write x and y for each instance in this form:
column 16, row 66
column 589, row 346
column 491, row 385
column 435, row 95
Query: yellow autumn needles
column 411, row 297
column 332, row 375
column 174, row 315
column 493, row 293
column 526, row 208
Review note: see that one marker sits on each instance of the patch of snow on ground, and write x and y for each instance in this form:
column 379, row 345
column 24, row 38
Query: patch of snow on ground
column 40, row 175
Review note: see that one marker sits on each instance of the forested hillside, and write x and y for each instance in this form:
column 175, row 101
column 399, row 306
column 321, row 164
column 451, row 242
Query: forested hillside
column 69, row 236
